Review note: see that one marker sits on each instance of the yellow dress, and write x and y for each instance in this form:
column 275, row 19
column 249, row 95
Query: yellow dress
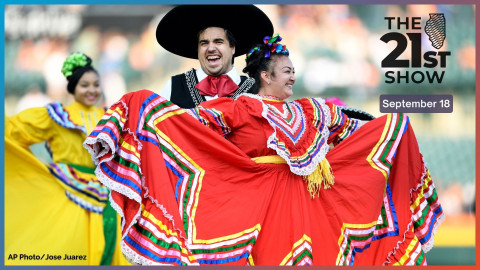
column 53, row 214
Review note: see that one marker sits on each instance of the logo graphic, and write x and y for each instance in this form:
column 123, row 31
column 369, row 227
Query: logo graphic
column 408, row 62
column 436, row 30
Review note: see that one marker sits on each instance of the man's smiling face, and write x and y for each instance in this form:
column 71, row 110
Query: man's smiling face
column 214, row 51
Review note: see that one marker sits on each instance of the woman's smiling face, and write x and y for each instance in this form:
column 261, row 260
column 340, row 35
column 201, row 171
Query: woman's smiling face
column 87, row 90
column 282, row 77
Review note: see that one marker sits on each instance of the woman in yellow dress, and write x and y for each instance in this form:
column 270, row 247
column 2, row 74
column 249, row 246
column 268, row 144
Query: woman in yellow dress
column 58, row 214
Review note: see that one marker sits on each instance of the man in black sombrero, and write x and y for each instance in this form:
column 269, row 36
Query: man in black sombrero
column 213, row 34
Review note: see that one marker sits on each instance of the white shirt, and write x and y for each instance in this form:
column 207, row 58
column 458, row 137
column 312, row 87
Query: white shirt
column 167, row 88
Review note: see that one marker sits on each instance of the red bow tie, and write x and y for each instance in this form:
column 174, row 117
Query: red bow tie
column 221, row 85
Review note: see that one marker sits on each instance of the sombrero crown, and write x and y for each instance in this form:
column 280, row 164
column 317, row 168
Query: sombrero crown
column 177, row 31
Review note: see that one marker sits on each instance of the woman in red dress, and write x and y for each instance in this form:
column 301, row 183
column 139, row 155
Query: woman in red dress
column 254, row 181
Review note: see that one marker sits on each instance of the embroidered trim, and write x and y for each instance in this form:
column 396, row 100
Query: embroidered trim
column 315, row 160
column 285, row 112
column 85, row 205
column 271, row 98
column 297, row 113
column 82, row 188
column 244, row 87
column 61, row 117
column 191, row 80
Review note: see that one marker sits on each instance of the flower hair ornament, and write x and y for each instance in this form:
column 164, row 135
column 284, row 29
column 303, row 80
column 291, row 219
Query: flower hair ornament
column 74, row 67
column 273, row 47
column 74, row 61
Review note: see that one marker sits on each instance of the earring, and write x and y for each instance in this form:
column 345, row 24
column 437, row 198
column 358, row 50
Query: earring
column 268, row 82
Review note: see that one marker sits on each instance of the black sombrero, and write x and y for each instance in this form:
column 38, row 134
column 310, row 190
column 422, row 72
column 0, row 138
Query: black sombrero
column 178, row 29
column 356, row 113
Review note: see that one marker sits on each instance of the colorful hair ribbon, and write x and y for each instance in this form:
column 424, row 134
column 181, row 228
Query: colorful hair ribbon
column 273, row 45
column 251, row 51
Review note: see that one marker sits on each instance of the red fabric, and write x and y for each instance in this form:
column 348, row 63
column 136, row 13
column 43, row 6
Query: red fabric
column 229, row 194
column 221, row 85
column 244, row 118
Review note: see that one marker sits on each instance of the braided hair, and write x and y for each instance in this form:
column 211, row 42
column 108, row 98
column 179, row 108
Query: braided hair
column 74, row 67
column 260, row 58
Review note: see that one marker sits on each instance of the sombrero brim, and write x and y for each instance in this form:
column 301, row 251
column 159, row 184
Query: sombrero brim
column 178, row 29
column 356, row 113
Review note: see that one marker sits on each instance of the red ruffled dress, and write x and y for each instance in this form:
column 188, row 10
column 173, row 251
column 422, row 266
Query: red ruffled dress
column 191, row 194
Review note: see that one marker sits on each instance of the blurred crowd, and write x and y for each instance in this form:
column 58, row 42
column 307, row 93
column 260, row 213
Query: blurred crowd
column 336, row 50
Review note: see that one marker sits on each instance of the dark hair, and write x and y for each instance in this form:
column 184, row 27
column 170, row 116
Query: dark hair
column 77, row 74
column 256, row 63
column 74, row 67
column 230, row 38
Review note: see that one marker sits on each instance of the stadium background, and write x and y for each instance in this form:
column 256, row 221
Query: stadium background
column 336, row 50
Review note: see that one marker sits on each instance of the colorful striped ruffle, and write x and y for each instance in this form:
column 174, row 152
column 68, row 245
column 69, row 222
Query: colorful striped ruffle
column 157, row 237
column 427, row 212
column 81, row 186
column 341, row 120
column 216, row 115
column 299, row 139
column 301, row 253
column 61, row 117
column 381, row 157
column 355, row 238
column 338, row 118
column 293, row 128
column 170, row 210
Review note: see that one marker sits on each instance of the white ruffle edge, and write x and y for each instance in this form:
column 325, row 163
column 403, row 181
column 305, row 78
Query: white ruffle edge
column 429, row 245
column 108, row 146
column 306, row 170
